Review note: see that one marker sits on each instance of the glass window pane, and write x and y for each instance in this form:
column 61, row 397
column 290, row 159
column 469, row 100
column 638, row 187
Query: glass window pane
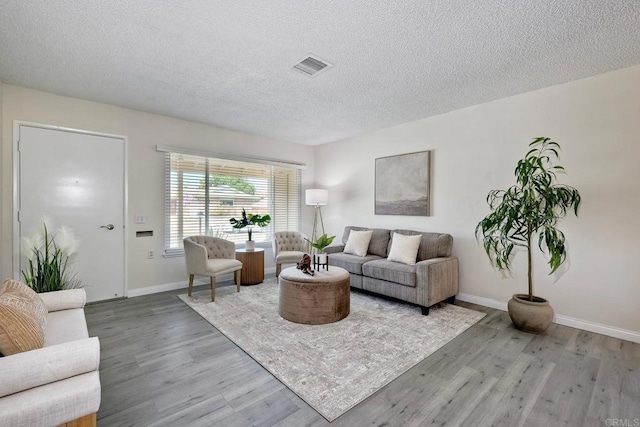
column 202, row 194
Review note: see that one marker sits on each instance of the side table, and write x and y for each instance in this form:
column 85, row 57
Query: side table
column 252, row 266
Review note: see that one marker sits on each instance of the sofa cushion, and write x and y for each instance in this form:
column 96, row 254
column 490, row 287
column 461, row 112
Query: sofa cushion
column 379, row 239
column 390, row 289
column 47, row 365
column 351, row 263
column 390, row 271
column 53, row 404
column 432, row 245
column 22, row 318
column 65, row 326
column 404, row 249
column 358, row 242
column 287, row 257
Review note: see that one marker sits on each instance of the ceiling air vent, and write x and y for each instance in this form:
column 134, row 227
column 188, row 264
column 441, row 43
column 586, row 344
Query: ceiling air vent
column 312, row 66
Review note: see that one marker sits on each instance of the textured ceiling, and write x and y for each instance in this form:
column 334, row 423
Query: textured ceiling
column 230, row 63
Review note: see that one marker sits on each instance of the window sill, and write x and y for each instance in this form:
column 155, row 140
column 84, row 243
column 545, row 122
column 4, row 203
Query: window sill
column 173, row 253
column 178, row 253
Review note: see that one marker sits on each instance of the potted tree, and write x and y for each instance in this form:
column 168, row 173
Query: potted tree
column 250, row 220
column 526, row 212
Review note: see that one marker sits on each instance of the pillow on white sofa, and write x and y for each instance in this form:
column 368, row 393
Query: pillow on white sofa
column 23, row 318
column 358, row 242
column 404, row 248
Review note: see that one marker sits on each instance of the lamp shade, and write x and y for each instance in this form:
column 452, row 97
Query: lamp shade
column 316, row 197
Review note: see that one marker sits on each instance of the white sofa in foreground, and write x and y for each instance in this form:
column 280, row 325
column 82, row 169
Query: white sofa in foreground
column 58, row 383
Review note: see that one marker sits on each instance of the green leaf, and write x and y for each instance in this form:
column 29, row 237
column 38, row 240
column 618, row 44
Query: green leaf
column 321, row 242
column 250, row 219
column 530, row 209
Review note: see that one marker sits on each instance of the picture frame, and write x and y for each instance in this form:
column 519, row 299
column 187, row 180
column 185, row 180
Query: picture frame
column 402, row 184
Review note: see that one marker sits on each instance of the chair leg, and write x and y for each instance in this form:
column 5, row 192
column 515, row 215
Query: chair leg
column 190, row 284
column 278, row 269
column 213, row 288
column 238, row 276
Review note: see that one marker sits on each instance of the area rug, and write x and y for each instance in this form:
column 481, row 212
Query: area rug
column 332, row 367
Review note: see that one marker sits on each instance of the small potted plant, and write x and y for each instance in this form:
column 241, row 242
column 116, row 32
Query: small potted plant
column 319, row 245
column 524, row 213
column 250, row 220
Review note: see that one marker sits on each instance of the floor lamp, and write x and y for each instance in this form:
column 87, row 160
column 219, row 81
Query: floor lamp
column 317, row 197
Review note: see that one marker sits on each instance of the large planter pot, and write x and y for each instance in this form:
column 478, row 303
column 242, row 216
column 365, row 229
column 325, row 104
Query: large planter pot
column 530, row 316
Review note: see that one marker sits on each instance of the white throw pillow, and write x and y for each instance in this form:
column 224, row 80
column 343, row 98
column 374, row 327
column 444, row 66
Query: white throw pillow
column 404, row 248
column 358, row 242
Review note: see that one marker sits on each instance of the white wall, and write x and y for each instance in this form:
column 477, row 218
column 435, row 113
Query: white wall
column 4, row 242
column 146, row 167
column 474, row 150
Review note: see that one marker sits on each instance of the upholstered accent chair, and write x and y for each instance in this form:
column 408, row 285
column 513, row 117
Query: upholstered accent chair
column 288, row 248
column 211, row 256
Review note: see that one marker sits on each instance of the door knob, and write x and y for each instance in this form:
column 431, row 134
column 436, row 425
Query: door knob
column 108, row 226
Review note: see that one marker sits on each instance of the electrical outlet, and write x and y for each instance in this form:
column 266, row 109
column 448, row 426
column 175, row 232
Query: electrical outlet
column 139, row 219
column 150, row 254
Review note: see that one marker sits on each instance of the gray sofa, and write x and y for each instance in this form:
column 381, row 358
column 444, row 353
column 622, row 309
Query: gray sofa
column 434, row 277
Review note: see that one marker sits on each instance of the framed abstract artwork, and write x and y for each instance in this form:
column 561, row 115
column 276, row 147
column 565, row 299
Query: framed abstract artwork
column 402, row 184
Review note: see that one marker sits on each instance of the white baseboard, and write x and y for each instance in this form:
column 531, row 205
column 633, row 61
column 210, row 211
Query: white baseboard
column 148, row 290
column 560, row 319
column 487, row 302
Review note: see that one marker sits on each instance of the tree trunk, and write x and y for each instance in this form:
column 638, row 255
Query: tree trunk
column 529, row 267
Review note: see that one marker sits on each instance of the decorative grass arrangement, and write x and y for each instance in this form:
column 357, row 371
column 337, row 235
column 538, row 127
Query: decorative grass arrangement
column 49, row 255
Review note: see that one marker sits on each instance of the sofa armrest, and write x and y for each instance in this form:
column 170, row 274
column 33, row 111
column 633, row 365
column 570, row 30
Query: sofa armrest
column 196, row 257
column 333, row 249
column 64, row 300
column 437, row 280
column 23, row 371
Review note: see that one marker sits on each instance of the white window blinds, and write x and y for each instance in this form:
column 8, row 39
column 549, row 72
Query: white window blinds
column 202, row 194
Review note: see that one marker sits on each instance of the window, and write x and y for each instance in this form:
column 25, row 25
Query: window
column 202, row 194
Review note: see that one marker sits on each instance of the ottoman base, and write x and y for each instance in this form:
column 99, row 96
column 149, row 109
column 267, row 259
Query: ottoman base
column 314, row 300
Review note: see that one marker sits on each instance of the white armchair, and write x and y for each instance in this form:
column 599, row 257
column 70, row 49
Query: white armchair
column 288, row 248
column 211, row 256
column 58, row 383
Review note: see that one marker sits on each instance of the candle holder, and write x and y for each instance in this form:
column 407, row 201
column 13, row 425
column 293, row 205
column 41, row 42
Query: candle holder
column 321, row 260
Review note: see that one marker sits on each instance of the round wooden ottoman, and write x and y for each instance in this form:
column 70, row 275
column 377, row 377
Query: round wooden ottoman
column 314, row 300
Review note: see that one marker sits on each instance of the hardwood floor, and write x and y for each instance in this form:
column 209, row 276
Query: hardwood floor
column 163, row 365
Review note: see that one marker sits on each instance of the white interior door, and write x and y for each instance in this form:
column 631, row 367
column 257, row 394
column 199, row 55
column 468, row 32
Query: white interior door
column 77, row 180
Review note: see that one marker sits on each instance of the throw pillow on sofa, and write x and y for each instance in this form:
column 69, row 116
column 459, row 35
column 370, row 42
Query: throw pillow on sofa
column 404, row 248
column 358, row 242
column 23, row 318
